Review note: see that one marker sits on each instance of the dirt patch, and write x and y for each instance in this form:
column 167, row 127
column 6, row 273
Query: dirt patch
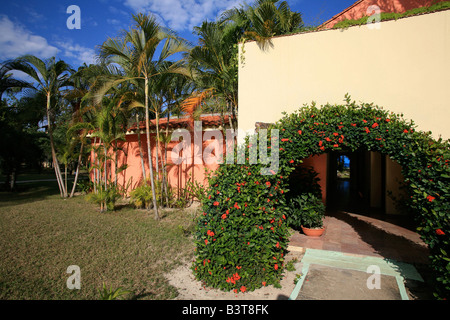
column 191, row 289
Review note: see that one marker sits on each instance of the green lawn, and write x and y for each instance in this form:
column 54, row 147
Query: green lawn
column 42, row 234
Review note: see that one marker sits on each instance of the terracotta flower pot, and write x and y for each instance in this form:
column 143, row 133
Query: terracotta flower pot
column 316, row 232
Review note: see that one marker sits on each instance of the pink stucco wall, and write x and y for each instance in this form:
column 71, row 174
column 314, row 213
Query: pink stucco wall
column 319, row 163
column 359, row 9
column 178, row 174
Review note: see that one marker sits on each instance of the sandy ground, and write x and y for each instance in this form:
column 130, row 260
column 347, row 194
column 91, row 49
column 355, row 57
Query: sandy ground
column 191, row 289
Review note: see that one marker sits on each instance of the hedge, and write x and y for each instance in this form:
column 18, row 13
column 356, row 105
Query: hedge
column 242, row 235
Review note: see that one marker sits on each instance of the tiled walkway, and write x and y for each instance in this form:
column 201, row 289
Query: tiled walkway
column 358, row 234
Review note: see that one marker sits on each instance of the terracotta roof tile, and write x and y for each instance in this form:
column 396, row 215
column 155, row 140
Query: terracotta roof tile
column 208, row 121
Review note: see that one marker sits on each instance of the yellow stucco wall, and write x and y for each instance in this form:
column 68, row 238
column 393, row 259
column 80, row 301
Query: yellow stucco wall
column 404, row 66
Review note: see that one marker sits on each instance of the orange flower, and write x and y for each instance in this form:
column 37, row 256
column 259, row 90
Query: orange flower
column 276, row 266
column 264, row 283
column 430, row 198
column 206, row 242
column 243, row 289
column 284, row 140
column 216, row 203
column 299, row 132
column 292, row 161
column 375, row 125
column 439, row 232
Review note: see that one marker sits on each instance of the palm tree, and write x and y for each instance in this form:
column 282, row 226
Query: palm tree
column 7, row 81
column 50, row 78
column 264, row 20
column 214, row 65
column 135, row 52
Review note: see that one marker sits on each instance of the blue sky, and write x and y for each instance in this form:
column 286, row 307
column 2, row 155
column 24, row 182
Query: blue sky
column 39, row 27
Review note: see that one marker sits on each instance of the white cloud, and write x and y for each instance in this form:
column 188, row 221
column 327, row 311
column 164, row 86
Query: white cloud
column 183, row 15
column 113, row 21
column 76, row 52
column 16, row 40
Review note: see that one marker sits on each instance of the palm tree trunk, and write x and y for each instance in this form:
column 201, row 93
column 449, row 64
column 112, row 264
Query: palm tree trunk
column 78, row 170
column 62, row 190
column 157, row 143
column 65, row 177
column 12, row 182
column 105, row 164
column 158, row 153
column 141, row 155
column 150, row 163
column 94, row 161
column 115, row 164
column 166, row 144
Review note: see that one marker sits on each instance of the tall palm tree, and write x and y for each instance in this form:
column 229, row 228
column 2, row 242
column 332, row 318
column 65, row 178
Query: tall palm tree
column 214, row 64
column 50, row 77
column 7, row 81
column 135, row 53
column 264, row 20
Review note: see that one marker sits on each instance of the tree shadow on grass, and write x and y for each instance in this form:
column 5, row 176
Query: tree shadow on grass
column 29, row 192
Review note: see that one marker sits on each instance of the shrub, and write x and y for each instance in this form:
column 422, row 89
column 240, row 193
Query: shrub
column 105, row 197
column 142, row 197
column 85, row 186
column 304, row 180
column 307, row 210
column 196, row 190
column 241, row 235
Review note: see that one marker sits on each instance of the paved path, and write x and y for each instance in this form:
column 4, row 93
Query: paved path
column 335, row 265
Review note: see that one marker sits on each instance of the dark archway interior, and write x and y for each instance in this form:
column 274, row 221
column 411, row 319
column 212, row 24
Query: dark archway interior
column 349, row 182
column 350, row 186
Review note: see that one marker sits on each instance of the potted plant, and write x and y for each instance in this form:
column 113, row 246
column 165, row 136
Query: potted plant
column 307, row 212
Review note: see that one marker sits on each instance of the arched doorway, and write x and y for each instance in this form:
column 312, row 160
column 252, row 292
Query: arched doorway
column 253, row 206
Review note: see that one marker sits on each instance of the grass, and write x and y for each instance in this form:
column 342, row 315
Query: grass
column 43, row 234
